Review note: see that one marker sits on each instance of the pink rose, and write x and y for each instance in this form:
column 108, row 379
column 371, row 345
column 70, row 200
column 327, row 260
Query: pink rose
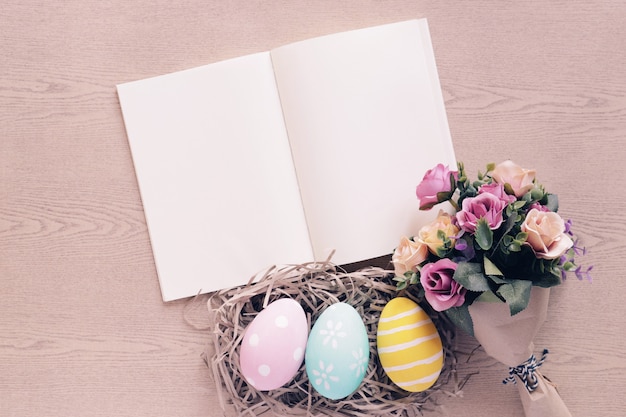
column 497, row 190
column 546, row 234
column 521, row 180
column 539, row 207
column 408, row 255
column 441, row 291
column 435, row 182
column 484, row 206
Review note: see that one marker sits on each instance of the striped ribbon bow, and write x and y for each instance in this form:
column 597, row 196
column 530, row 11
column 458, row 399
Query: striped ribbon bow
column 526, row 372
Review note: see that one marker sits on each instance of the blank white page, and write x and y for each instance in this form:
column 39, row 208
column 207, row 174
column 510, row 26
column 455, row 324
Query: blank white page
column 215, row 174
column 366, row 119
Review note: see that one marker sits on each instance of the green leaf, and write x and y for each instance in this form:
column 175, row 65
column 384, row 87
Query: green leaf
column 497, row 279
column 471, row 277
column 536, row 194
column 488, row 297
column 401, row 282
column 453, row 184
column 491, row 268
column 443, row 196
column 516, row 294
column 461, row 318
column 508, row 226
column 548, row 279
column 552, row 202
column 426, row 207
column 519, row 204
column 484, row 235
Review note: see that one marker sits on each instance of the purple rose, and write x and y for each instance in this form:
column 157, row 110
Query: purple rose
column 497, row 190
column 539, row 207
column 441, row 291
column 438, row 180
column 484, row 206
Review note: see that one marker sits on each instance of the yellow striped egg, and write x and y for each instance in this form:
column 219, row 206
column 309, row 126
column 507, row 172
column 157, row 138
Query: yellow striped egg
column 409, row 346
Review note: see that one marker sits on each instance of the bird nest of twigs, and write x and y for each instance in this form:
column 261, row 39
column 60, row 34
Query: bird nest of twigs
column 317, row 286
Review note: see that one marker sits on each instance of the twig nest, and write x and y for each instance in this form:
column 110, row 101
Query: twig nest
column 316, row 287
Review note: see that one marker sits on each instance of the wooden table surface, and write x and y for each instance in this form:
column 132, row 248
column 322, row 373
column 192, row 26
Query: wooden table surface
column 83, row 330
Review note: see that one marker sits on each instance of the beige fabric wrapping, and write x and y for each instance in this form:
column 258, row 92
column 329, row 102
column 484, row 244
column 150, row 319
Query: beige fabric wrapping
column 543, row 401
column 509, row 339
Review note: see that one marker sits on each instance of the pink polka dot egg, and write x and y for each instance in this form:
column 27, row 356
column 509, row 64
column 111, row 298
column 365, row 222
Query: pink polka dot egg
column 273, row 345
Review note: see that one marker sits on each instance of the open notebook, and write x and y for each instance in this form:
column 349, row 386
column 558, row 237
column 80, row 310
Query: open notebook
column 283, row 156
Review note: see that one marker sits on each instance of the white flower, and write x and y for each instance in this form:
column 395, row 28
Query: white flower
column 360, row 364
column 332, row 333
column 323, row 375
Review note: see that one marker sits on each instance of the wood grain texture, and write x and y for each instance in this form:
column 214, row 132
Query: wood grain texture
column 83, row 330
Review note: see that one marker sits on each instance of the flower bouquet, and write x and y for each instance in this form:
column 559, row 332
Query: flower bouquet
column 488, row 263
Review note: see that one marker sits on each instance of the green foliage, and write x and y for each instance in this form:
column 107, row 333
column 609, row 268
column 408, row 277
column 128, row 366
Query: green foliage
column 516, row 294
column 409, row 278
column 471, row 276
column 446, row 244
column 491, row 268
column 484, row 235
column 551, row 201
column 461, row 318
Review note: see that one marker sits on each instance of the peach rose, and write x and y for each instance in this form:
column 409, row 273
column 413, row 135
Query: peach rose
column 408, row 255
column 428, row 233
column 546, row 234
column 520, row 179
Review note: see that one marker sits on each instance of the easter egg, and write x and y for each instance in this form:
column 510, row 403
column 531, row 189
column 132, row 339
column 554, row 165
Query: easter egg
column 273, row 345
column 337, row 352
column 408, row 345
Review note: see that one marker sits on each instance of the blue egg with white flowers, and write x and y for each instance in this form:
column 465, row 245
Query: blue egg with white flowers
column 337, row 352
